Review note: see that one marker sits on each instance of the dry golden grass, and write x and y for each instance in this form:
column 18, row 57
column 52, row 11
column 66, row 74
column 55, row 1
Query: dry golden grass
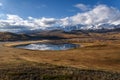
column 98, row 51
column 23, row 43
column 99, row 55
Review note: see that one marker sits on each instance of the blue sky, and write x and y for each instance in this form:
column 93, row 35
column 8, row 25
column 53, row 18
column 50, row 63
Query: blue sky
column 28, row 15
column 50, row 8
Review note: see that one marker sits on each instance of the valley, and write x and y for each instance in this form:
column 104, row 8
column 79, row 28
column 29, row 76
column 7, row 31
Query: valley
column 98, row 55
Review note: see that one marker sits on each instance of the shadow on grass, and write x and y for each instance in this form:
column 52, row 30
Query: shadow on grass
column 52, row 72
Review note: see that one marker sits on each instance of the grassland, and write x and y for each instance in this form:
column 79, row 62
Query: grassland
column 98, row 58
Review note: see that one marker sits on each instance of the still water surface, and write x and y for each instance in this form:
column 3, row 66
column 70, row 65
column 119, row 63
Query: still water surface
column 48, row 46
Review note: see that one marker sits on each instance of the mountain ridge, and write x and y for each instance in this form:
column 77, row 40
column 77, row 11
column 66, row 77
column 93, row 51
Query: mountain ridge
column 54, row 34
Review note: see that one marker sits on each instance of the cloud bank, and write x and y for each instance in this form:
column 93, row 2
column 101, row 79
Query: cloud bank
column 99, row 15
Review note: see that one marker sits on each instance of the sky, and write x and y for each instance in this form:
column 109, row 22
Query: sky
column 35, row 14
column 50, row 8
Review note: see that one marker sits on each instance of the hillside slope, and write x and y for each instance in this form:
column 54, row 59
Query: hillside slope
column 7, row 36
column 60, row 34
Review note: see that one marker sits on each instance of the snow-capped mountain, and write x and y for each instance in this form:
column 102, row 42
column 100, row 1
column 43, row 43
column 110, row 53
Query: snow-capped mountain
column 77, row 27
column 85, row 27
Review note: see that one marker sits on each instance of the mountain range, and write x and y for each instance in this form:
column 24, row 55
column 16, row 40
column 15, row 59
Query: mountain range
column 55, row 34
column 86, row 27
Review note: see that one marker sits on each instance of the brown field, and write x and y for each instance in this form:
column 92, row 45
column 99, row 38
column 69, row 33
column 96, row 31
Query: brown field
column 94, row 54
column 97, row 55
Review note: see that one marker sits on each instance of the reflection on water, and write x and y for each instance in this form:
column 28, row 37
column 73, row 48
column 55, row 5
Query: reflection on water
column 48, row 46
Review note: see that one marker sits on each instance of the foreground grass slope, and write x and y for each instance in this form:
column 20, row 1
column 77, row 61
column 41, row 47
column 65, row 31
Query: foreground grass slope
column 52, row 72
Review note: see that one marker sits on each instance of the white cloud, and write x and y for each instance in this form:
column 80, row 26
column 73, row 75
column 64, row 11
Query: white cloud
column 100, row 14
column 46, row 22
column 1, row 4
column 83, row 7
column 14, row 17
column 15, row 23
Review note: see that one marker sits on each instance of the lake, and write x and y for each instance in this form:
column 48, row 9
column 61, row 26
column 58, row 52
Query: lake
column 48, row 46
